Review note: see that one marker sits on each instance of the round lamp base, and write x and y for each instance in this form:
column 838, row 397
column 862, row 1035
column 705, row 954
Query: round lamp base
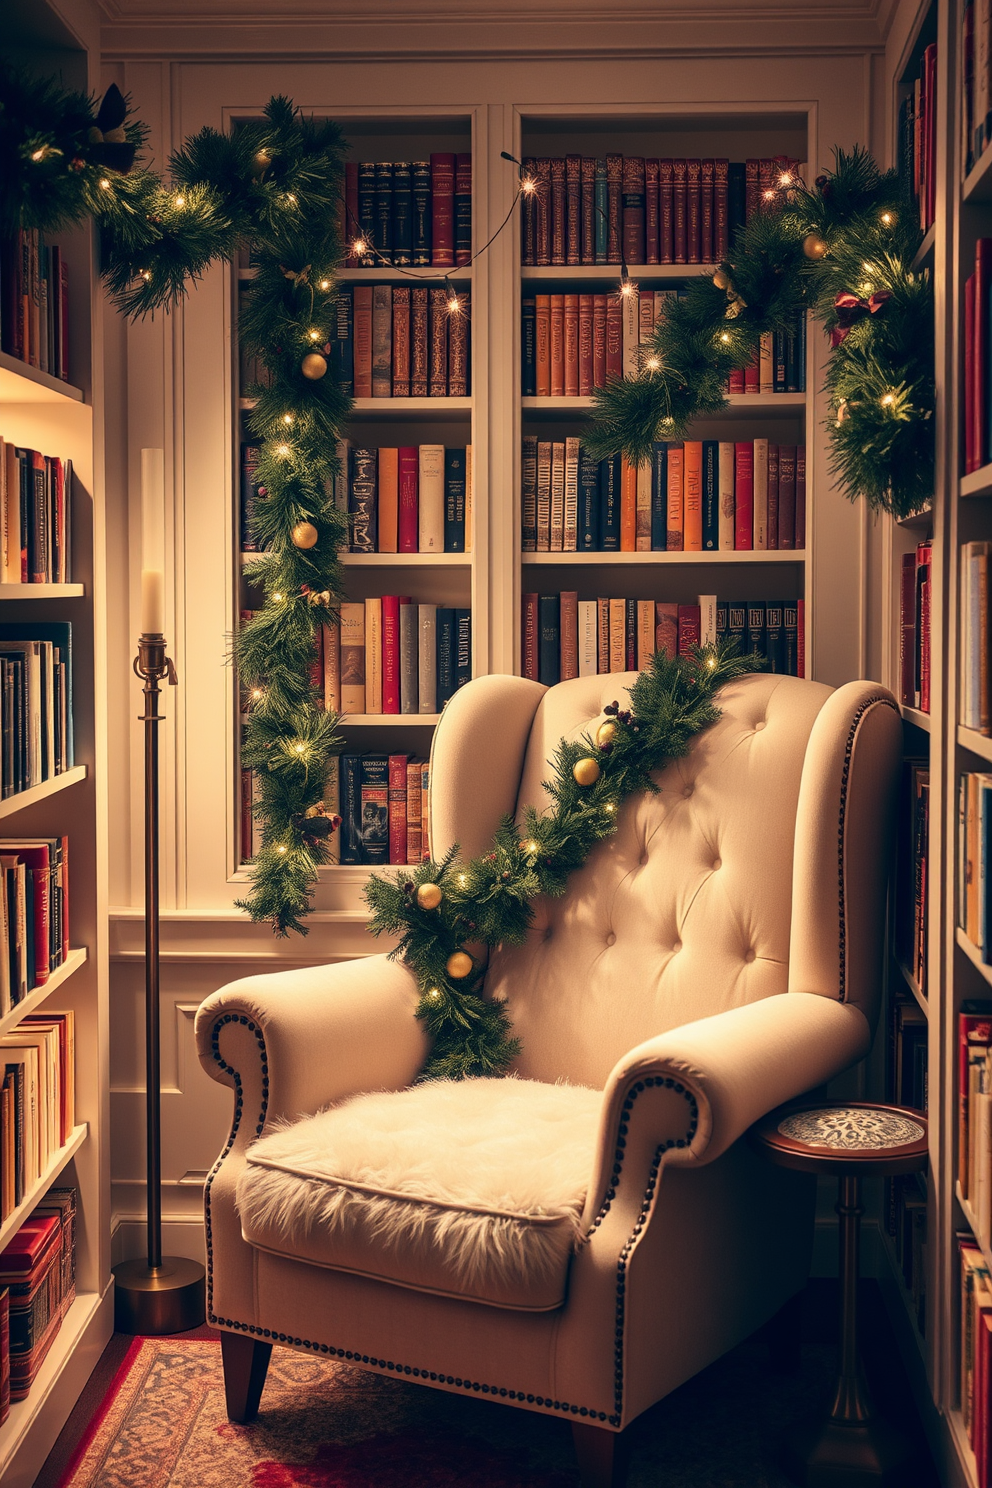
column 870, row 1454
column 168, row 1299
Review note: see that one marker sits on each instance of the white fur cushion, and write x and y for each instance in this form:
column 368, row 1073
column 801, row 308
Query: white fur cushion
column 470, row 1188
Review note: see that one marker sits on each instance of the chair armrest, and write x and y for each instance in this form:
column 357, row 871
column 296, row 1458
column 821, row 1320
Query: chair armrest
column 291, row 1042
column 687, row 1095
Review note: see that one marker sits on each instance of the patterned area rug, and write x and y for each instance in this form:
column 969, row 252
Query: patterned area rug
column 329, row 1425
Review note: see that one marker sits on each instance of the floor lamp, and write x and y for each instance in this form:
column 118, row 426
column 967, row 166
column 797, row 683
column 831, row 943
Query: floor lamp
column 159, row 1294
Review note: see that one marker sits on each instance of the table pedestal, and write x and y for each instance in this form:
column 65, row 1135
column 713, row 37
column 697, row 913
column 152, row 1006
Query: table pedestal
column 854, row 1448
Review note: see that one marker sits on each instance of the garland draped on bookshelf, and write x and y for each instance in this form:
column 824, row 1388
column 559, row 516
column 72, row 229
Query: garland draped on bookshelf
column 844, row 250
column 438, row 909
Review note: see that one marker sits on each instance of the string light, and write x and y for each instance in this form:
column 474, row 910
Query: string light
column 282, row 450
column 104, row 184
column 277, row 597
column 299, row 749
column 530, row 847
column 180, row 201
column 610, row 807
column 454, row 303
column 291, row 198
column 652, row 364
column 281, row 848
column 887, row 219
column 888, row 400
column 287, row 418
column 325, row 283
column 146, row 274
column 433, row 995
column 359, row 247
column 785, row 179
column 725, row 338
column 313, row 335
column 463, row 879
column 39, row 155
column 528, row 185
column 627, row 286
column 257, row 692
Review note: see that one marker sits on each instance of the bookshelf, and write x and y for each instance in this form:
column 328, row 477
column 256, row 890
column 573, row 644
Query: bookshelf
column 66, row 418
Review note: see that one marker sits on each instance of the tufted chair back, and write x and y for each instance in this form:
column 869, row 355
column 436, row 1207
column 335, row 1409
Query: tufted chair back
column 758, row 868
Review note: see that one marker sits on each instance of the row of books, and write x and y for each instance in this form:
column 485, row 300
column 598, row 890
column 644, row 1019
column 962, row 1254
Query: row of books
column 697, row 496
column 915, row 591
column 978, row 360
column 564, row 636
column 918, row 139
column 906, row 1075
column 913, row 871
column 974, row 864
column 38, row 1278
column 976, row 92
column 37, row 1100
column 34, row 914
column 402, row 341
column 36, row 735
column 616, row 208
column 411, row 212
column 35, row 516
column 572, row 344
column 392, row 655
column 906, row 1222
column 975, row 1375
column 34, row 314
column 975, row 709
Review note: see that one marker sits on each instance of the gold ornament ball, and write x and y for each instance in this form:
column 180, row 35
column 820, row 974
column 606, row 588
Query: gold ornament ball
column 586, row 771
column 814, row 247
column 304, row 535
column 458, row 965
column 606, row 733
column 313, row 366
column 720, row 280
column 429, row 896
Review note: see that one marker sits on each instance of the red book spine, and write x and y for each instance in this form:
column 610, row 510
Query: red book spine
column 666, row 213
column 744, row 495
column 752, row 375
column 736, row 380
column 599, row 340
column 970, row 460
column 907, row 629
column 571, row 346
column 706, row 212
column 614, row 337
column 558, row 209
column 679, row 204
column 408, row 523
column 351, row 218
column 983, row 272
column 401, row 341
column 586, row 383
column 800, row 536
column 397, row 808
column 418, row 342
column 689, row 628
column 652, row 221
column 721, row 210
column 363, row 340
column 751, row 172
column 801, row 638
column 529, row 637
column 693, row 210
column 463, row 190
column 924, row 640
column 573, row 208
column 390, row 653
column 443, row 211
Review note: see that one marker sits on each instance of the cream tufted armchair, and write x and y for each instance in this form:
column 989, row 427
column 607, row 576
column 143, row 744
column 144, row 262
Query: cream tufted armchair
column 718, row 956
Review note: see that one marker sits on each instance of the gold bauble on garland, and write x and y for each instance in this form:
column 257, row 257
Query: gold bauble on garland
column 304, row 535
column 721, row 280
column 429, row 896
column 313, row 366
column 606, row 733
column 586, row 771
column 458, row 965
column 814, row 247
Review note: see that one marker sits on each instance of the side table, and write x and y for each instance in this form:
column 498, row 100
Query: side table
column 854, row 1448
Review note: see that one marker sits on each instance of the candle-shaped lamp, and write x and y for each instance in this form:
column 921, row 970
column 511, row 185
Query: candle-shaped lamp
column 152, row 541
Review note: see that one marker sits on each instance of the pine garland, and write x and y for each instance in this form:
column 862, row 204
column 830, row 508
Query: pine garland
column 844, row 251
column 440, row 908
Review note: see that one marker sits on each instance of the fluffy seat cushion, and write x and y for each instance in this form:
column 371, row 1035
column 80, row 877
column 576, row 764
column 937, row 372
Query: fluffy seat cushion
column 471, row 1188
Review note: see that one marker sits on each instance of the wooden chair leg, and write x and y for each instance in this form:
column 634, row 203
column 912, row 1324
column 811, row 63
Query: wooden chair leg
column 601, row 1455
column 246, row 1362
column 784, row 1337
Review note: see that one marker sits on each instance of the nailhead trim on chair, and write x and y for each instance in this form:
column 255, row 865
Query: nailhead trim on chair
column 845, row 776
column 429, row 1374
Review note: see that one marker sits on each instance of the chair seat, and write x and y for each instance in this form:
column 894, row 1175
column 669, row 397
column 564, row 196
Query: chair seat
column 472, row 1189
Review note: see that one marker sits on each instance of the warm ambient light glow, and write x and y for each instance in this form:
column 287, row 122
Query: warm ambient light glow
column 104, row 184
column 38, row 155
column 725, row 338
column 314, row 335
column 287, row 418
column 359, row 246
column 527, row 185
column 887, row 219
column 282, row 449
column 627, row 287
column 325, row 283
column 888, row 400
column 652, row 364
column 454, row 305
column 257, row 693
column 180, row 201
column 530, row 847
column 277, row 597
column 280, row 848
column 785, row 179
column 300, row 748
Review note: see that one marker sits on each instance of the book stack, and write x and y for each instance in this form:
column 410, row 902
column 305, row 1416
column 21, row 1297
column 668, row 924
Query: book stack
column 37, row 1101
column 402, row 341
column 383, row 804
column 36, row 737
column 974, row 870
column 978, row 360
column 34, row 914
column 912, row 870
column 641, row 211
column 410, row 212
column 572, row 344
column 698, row 496
column 564, row 636
column 38, row 1270
column 914, row 627
column 34, row 314
column 35, row 516
column 918, row 138
column 974, row 689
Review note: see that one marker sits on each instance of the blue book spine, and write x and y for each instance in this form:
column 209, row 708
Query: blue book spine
column 342, row 358
column 351, row 808
column 711, row 495
column 549, row 639
column 463, row 647
column 600, row 212
column 528, row 346
column 454, row 500
column 659, row 497
column 609, row 505
column 588, row 530
column 447, row 655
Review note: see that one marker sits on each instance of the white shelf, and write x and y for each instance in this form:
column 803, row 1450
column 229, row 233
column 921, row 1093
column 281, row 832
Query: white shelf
column 40, row 995
column 914, row 987
column 973, row 953
column 962, row 1446
column 394, row 406
column 972, row 1222
column 975, row 742
column 612, row 272
column 664, row 559
column 376, row 720
column 40, row 1187
column 736, row 404
column 20, row 383
column 21, row 800
column 978, row 483
column 978, row 182
column 916, row 717
column 388, row 560
column 42, row 591
column 386, row 274
column 924, row 254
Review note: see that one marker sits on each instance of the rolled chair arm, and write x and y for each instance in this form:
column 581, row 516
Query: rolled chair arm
column 314, row 1036
column 686, row 1096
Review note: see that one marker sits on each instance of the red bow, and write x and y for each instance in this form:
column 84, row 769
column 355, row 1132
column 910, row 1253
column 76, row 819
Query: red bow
column 850, row 310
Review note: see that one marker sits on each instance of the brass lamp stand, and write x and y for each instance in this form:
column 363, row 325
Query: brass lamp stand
column 161, row 1294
